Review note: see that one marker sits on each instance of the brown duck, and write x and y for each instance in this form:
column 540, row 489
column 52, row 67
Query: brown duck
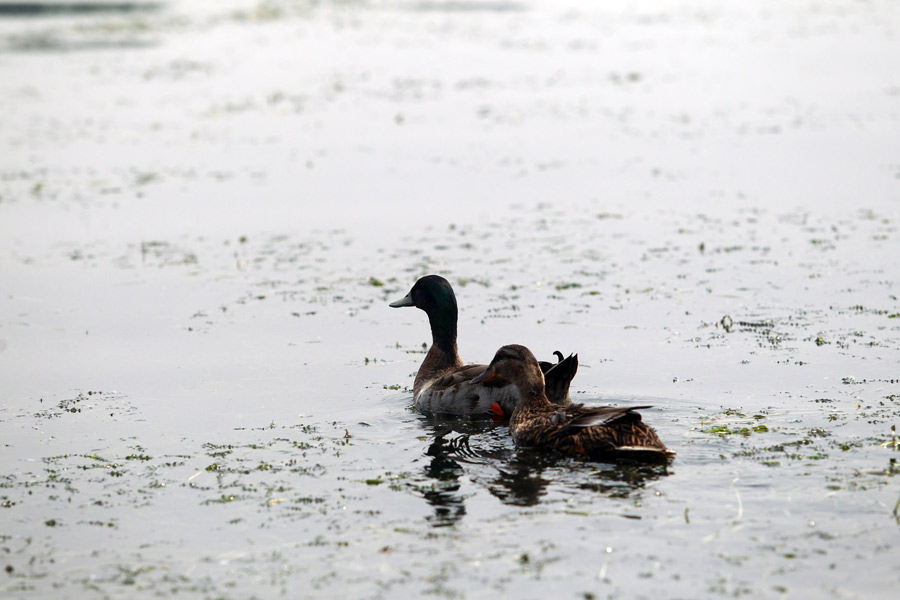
column 443, row 383
column 602, row 432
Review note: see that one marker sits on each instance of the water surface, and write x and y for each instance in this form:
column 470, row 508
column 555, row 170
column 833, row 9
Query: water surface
column 206, row 207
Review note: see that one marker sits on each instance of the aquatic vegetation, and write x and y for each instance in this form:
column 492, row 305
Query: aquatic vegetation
column 724, row 430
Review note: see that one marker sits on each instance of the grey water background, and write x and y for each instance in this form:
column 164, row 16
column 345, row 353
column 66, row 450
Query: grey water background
column 205, row 207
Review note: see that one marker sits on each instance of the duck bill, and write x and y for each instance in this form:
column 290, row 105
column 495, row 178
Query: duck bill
column 404, row 301
column 486, row 376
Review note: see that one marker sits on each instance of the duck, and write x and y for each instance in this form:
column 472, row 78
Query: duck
column 443, row 383
column 598, row 433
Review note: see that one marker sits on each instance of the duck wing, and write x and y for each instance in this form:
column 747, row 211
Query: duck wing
column 462, row 375
column 452, row 393
column 574, row 418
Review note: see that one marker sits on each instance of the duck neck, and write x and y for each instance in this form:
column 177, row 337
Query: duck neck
column 443, row 329
column 533, row 394
column 534, row 400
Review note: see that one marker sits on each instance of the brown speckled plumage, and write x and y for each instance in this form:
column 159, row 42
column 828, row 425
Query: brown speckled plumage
column 603, row 432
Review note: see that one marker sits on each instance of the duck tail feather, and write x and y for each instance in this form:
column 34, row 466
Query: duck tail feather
column 562, row 372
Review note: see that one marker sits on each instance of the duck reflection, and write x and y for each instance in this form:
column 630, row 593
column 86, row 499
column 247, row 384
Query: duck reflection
column 448, row 446
column 523, row 481
column 520, row 481
column 444, row 495
column 482, row 451
column 624, row 479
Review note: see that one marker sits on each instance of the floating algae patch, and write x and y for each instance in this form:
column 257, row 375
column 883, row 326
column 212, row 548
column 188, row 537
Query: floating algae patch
column 832, row 446
column 725, row 430
column 141, row 490
column 734, row 422
column 265, row 471
column 112, row 403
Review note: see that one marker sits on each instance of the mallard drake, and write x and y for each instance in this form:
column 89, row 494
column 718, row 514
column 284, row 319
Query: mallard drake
column 602, row 432
column 442, row 383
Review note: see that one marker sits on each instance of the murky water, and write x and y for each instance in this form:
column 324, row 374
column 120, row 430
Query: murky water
column 205, row 208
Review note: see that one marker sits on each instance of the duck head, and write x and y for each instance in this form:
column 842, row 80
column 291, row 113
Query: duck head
column 518, row 365
column 431, row 292
column 434, row 295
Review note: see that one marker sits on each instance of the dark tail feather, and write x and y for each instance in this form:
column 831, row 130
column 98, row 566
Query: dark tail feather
column 558, row 378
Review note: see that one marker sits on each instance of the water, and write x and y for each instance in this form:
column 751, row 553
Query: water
column 206, row 207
